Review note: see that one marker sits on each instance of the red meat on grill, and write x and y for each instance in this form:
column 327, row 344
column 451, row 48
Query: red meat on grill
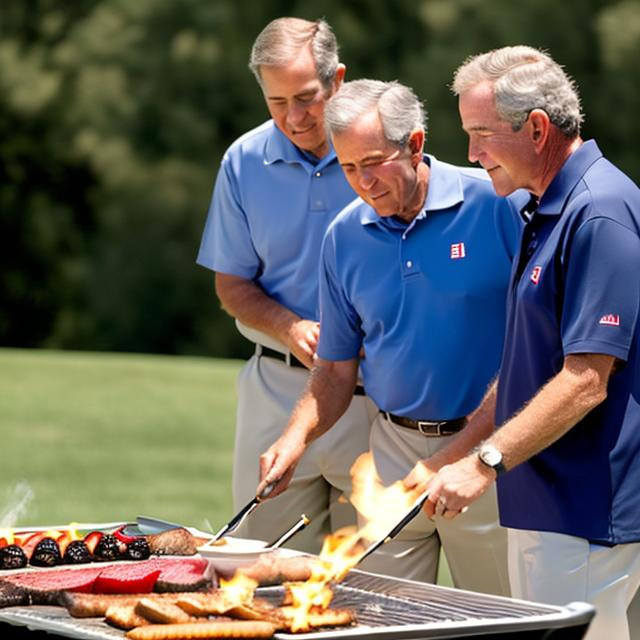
column 159, row 573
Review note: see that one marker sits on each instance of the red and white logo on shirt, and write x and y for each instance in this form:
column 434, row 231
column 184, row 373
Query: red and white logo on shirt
column 612, row 319
column 457, row 251
column 535, row 274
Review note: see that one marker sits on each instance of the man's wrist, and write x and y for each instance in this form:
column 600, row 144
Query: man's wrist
column 490, row 456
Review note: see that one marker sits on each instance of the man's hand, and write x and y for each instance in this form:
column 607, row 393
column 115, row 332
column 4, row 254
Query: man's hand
column 457, row 485
column 278, row 463
column 302, row 340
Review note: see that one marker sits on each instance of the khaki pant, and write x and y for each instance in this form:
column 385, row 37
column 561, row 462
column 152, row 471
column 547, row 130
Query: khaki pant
column 474, row 544
column 558, row 569
column 267, row 392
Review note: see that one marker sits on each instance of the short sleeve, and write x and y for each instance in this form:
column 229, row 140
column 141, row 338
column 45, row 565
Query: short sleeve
column 602, row 290
column 340, row 326
column 226, row 244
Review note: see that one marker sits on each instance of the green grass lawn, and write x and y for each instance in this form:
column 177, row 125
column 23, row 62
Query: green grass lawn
column 100, row 437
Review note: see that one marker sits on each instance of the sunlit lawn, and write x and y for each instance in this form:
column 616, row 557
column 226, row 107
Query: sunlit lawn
column 101, row 437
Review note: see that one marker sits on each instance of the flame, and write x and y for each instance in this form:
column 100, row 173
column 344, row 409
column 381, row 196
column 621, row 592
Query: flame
column 382, row 507
column 6, row 535
column 239, row 589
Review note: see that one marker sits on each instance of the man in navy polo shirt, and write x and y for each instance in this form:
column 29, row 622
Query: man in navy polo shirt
column 567, row 400
column 278, row 188
column 414, row 274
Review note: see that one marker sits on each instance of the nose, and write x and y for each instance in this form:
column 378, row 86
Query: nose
column 474, row 152
column 366, row 178
column 296, row 113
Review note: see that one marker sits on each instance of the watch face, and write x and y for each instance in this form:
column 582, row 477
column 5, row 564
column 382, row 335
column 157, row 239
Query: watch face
column 491, row 456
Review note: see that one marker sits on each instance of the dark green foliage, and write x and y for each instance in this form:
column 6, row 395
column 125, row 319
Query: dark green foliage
column 114, row 116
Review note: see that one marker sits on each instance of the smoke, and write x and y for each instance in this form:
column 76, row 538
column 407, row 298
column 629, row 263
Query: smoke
column 18, row 500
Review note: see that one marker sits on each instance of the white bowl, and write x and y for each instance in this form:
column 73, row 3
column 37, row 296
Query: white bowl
column 234, row 553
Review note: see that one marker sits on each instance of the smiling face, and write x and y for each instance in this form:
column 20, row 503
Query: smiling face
column 508, row 156
column 383, row 175
column 296, row 98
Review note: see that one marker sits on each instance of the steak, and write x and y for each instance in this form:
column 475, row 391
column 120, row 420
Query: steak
column 159, row 573
column 184, row 574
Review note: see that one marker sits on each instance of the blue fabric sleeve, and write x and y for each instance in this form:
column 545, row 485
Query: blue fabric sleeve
column 602, row 290
column 226, row 242
column 340, row 328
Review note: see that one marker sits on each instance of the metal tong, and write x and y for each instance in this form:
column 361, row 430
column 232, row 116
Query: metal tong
column 235, row 522
column 408, row 517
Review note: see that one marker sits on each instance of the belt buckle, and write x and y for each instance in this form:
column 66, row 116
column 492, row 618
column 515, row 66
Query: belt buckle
column 422, row 425
column 287, row 358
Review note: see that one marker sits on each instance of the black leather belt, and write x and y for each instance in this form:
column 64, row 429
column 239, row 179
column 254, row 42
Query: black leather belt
column 429, row 428
column 290, row 360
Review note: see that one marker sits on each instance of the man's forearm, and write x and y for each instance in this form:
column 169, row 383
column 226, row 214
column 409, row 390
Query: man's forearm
column 327, row 396
column 248, row 303
column 577, row 389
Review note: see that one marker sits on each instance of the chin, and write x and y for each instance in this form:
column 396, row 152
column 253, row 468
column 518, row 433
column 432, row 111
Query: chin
column 502, row 189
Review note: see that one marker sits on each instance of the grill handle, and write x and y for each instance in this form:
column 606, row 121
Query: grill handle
column 408, row 517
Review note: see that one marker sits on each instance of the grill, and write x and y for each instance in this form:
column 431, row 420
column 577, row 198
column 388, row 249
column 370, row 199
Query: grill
column 386, row 609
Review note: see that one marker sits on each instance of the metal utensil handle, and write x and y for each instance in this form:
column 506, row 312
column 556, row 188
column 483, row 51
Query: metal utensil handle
column 407, row 518
column 234, row 523
column 238, row 518
column 287, row 535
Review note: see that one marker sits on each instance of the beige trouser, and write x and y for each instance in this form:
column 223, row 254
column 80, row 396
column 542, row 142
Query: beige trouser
column 558, row 569
column 633, row 616
column 267, row 392
column 474, row 544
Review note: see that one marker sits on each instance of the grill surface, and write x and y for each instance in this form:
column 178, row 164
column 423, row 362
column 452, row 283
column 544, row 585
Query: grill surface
column 386, row 609
column 393, row 608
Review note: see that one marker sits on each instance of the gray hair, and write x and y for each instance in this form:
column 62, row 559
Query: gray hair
column 524, row 79
column 281, row 41
column 398, row 107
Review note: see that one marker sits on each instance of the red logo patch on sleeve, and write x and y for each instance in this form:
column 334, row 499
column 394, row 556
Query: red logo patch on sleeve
column 611, row 319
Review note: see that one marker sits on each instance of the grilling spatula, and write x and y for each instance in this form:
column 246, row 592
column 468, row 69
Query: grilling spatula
column 408, row 517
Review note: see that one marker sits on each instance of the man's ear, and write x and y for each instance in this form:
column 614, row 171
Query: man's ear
column 416, row 144
column 538, row 128
column 339, row 77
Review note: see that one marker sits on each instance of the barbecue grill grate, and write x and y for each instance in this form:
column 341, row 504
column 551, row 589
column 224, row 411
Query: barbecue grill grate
column 386, row 609
column 378, row 602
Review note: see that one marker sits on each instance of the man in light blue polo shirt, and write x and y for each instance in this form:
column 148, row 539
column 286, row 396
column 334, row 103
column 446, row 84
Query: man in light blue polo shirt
column 414, row 273
column 278, row 188
column 567, row 403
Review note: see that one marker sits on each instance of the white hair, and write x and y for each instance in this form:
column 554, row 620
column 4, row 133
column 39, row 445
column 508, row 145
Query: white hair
column 398, row 107
column 281, row 41
column 524, row 79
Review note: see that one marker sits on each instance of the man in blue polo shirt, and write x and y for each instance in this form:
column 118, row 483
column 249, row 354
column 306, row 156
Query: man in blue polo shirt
column 414, row 274
column 278, row 188
column 567, row 400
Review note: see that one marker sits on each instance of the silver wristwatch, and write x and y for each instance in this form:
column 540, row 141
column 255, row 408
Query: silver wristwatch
column 491, row 457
